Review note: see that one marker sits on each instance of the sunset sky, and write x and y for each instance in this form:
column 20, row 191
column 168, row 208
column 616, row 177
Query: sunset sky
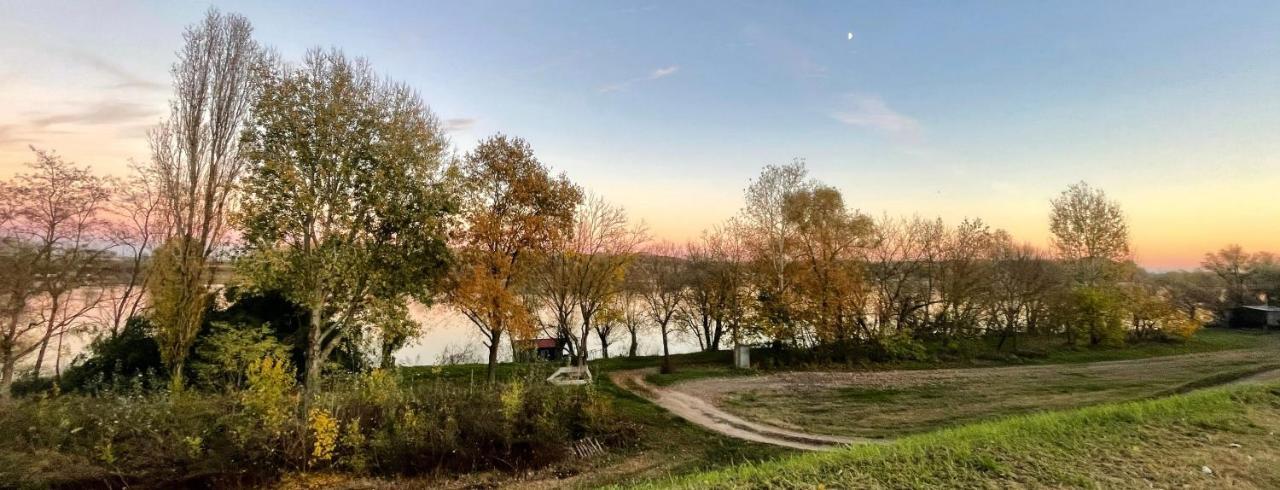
column 952, row 109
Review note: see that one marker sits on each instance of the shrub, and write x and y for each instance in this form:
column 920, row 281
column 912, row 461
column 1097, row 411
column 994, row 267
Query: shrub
column 370, row 423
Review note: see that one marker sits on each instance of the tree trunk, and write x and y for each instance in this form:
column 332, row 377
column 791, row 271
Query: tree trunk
column 35, row 371
column 604, row 342
column 57, row 357
column 586, row 335
column 495, row 340
column 314, row 349
column 6, row 376
column 666, row 351
column 632, row 352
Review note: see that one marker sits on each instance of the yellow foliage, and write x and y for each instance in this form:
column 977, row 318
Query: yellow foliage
column 512, row 398
column 324, row 435
column 269, row 395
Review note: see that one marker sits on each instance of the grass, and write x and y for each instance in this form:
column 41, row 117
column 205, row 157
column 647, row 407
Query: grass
column 895, row 403
column 665, row 445
column 668, row 447
column 1163, row 443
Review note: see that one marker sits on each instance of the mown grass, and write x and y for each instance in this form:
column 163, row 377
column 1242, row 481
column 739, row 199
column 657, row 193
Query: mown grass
column 896, row 403
column 1164, row 443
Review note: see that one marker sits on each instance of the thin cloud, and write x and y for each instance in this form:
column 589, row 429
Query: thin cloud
column 872, row 112
column 664, row 72
column 109, row 112
column 653, row 75
column 458, row 124
column 124, row 78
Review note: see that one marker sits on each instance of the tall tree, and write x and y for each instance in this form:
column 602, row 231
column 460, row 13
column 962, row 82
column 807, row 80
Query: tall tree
column 770, row 235
column 196, row 157
column 601, row 249
column 346, row 205
column 514, row 213
column 829, row 241
column 1089, row 232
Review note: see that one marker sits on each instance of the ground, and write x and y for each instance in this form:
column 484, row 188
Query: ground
column 1217, row 438
column 668, row 446
column 895, row 403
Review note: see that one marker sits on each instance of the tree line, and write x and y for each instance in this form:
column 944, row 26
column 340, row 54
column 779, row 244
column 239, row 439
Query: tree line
column 337, row 189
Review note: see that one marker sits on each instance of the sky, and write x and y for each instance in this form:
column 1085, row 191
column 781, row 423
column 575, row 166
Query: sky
column 951, row 109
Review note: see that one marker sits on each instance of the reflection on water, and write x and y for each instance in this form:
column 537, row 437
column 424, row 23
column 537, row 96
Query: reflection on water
column 443, row 330
column 446, row 329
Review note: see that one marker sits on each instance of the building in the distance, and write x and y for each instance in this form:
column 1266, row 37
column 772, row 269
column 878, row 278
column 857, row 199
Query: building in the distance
column 1257, row 316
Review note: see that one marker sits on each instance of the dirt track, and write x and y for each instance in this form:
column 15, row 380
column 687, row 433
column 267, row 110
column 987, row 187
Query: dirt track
column 703, row 413
column 696, row 400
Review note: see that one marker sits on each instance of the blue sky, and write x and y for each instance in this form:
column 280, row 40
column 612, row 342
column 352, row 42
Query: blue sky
column 939, row 108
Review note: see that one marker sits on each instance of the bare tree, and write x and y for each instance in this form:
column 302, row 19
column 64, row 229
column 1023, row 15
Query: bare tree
column 53, row 254
column 601, row 249
column 135, row 230
column 662, row 273
column 196, row 159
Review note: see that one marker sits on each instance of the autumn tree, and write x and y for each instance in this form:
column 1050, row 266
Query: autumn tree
column 51, row 250
column 603, row 245
column 196, row 158
column 770, row 236
column 1021, row 280
column 963, row 275
column 902, row 262
column 513, row 213
column 662, row 273
column 346, row 205
column 829, row 240
column 1089, row 233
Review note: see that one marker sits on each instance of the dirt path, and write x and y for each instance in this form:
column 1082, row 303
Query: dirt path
column 703, row 413
column 700, row 408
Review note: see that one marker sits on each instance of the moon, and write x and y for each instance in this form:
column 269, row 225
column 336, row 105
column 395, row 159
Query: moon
column 850, row 36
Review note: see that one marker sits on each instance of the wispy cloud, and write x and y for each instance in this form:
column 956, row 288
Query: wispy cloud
column 458, row 124
column 123, row 78
column 653, row 75
column 869, row 111
column 107, row 112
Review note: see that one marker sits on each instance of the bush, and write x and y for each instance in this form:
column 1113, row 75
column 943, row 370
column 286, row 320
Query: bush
column 371, row 423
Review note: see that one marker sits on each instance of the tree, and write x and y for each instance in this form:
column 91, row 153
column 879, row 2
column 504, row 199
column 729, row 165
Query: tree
column 1089, row 232
column 1021, row 281
column 902, row 263
column 135, row 229
column 345, row 202
column 1236, row 268
column 602, row 247
column 51, row 251
column 829, row 240
column 662, row 275
column 196, row 158
column 513, row 213
column 770, row 236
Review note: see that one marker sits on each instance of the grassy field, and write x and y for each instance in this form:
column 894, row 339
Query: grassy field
column 667, row 447
column 1221, row 438
column 894, row 403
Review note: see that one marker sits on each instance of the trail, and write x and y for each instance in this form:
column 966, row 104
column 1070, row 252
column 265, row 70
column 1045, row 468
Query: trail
column 703, row 413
